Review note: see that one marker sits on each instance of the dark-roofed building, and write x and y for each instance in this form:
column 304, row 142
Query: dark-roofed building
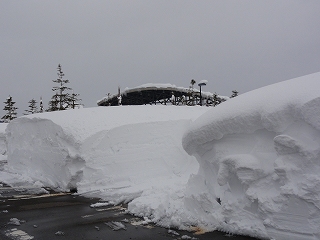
column 157, row 94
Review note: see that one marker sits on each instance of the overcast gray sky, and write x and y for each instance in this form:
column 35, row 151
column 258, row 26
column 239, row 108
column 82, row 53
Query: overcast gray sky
column 235, row 45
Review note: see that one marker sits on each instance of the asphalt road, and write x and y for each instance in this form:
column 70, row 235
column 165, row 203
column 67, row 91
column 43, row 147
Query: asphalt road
column 66, row 216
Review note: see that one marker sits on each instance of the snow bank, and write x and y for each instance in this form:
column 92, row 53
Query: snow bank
column 114, row 151
column 259, row 157
column 125, row 161
column 3, row 148
column 257, row 171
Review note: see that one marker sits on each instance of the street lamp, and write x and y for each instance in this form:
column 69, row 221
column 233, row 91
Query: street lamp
column 200, row 84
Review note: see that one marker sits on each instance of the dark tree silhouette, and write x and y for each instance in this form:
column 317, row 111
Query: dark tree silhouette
column 62, row 99
column 234, row 93
column 61, row 91
column 10, row 109
column 32, row 107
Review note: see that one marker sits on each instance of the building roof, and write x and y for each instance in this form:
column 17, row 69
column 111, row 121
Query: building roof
column 151, row 93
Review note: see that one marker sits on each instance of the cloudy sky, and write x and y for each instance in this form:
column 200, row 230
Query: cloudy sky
column 235, row 45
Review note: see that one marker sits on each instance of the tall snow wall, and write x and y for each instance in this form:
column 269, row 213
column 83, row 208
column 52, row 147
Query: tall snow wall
column 259, row 157
column 94, row 149
column 3, row 148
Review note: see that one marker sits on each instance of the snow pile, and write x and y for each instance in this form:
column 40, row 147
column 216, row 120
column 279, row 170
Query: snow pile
column 259, row 157
column 257, row 171
column 3, row 148
column 114, row 151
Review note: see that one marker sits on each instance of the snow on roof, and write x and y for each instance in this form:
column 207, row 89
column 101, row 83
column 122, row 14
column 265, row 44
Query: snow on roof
column 156, row 86
column 159, row 86
column 203, row 82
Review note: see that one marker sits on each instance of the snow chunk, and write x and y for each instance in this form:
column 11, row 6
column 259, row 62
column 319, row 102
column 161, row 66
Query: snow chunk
column 173, row 232
column 15, row 233
column 100, row 204
column 42, row 149
column 15, row 221
column 116, row 226
column 59, row 233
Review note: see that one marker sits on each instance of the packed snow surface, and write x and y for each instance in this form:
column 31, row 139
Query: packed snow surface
column 251, row 165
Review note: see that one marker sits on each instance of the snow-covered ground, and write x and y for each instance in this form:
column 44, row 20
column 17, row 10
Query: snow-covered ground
column 250, row 165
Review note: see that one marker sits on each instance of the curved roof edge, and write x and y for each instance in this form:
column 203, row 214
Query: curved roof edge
column 157, row 86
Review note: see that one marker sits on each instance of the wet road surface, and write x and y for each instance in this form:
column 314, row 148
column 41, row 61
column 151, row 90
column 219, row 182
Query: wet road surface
column 66, row 216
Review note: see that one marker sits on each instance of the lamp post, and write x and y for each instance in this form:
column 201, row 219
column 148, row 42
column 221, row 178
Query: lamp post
column 200, row 84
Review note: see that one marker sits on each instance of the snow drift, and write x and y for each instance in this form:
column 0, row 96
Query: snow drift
column 259, row 157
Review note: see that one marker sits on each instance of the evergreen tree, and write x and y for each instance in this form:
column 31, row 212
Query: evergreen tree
column 62, row 99
column 216, row 100
column 41, row 106
column 53, row 104
column 11, row 110
column 191, row 94
column 74, row 101
column 119, row 97
column 192, row 82
column 32, row 107
column 234, row 93
column 62, row 95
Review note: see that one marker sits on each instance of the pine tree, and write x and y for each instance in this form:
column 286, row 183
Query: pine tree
column 216, row 100
column 62, row 95
column 191, row 94
column 11, row 110
column 53, row 104
column 234, row 93
column 41, row 106
column 62, row 99
column 192, row 82
column 32, row 107
column 74, row 101
column 119, row 97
